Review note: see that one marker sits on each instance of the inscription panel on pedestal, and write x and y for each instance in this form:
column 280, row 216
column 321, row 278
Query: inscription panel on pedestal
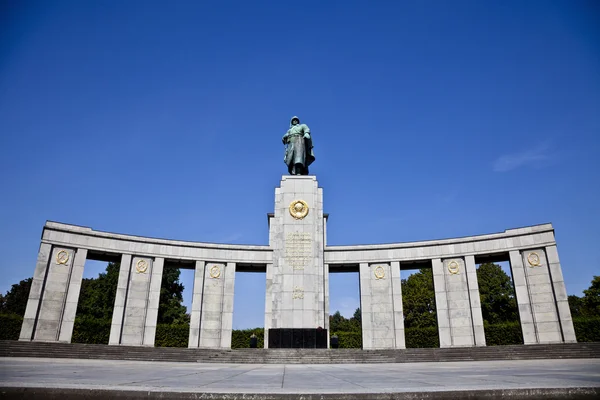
column 298, row 249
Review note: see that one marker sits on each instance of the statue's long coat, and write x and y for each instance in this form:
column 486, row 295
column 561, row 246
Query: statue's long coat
column 298, row 150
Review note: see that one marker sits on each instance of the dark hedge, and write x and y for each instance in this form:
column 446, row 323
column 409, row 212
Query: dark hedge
column 422, row 337
column 503, row 334
column 172, row 335
column 10, row 326
column 240, row 339
column 91, row 330
column 349, row 340
column 587, row 329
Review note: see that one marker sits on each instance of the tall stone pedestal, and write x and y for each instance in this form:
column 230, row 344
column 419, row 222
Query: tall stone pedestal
column 295, row 295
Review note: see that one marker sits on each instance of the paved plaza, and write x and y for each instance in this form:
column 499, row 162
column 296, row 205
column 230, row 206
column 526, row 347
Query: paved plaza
column 298, row 378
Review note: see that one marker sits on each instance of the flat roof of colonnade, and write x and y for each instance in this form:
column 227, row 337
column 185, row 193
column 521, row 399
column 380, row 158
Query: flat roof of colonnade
column 68, row 235
column 530, row 237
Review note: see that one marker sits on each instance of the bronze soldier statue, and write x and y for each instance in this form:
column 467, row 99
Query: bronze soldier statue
column 299, row 148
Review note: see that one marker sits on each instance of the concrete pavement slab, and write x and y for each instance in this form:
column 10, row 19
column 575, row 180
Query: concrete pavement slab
column 135, row 377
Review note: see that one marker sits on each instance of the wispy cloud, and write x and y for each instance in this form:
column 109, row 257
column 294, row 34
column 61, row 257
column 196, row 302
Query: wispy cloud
column 450, row 196
column 508, row 162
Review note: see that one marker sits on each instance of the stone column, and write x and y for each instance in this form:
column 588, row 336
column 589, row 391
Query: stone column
column 53, row 296
column 475, row 301
column 227, row 317
column 400, row 342
column 35, row 293
column 366, row 309
column 217, row 305
column 153, row 302
column 560, row 293
column 52, row 303
column 120, row 296
column 326, row 276
column 541, row 296
column 455, row 323
column 268, row 304
column 378, row 314
column 523, row 300
column 326, row 289
column 136, row 301
column 196, row 313
column 441, row 303
column 70, row 308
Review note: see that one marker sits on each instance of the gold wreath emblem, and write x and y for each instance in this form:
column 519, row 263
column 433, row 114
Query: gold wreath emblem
column 453, row 267
column 533, row 259
column 215, row 272
column 141, row 266
column 379, row 272
column 298, row 209
column 62, row 257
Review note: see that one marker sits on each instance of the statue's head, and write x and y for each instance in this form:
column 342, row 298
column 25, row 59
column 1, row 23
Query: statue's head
column 295, row 120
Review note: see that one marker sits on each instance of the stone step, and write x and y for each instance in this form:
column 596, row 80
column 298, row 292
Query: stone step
column 296, row 356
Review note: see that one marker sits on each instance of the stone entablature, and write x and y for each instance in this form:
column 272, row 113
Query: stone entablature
column 297, row 263
column 74, row 236
column 512, row 239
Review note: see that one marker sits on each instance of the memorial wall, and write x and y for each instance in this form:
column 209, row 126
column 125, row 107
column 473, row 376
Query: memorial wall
column 297, row 262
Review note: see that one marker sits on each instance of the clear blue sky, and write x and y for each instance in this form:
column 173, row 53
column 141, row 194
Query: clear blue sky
column 431, row 119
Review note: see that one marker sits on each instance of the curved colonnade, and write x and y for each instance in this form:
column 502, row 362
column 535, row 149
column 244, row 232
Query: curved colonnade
column 532, row 252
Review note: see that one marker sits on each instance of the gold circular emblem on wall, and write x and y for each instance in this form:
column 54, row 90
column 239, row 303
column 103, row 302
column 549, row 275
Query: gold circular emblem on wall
column 298, row 209
column 141, row 266
column 453, row 267
column 533, row 259
column 62, row 257
column 215, row 272
column 379, row 272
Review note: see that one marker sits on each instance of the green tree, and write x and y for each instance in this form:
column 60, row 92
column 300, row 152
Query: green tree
column 15, row 300
column 338, row 323
column 576, row 306
column 498, row 302
column 589, row 304
column 418, row 300
column 97, row 295
column 591, row 298
column 357, row 317
column 170, row 309
column 335, row 321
